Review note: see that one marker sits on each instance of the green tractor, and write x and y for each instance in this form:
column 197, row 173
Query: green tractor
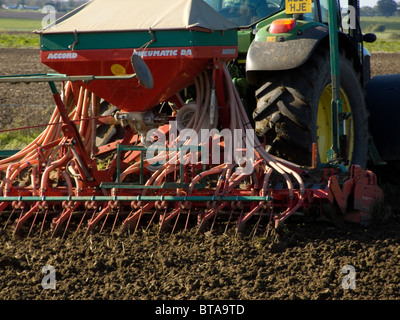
column 284, row 76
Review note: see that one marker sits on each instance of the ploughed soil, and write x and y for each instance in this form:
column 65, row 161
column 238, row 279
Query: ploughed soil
column 304, row 260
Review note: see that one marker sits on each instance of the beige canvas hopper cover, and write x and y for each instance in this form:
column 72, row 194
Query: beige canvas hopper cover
column 126, row 15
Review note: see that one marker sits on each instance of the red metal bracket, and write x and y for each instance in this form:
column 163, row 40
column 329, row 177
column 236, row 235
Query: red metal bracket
column 362, row 186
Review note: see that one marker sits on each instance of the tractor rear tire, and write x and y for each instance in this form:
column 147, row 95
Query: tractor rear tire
column 288, row 106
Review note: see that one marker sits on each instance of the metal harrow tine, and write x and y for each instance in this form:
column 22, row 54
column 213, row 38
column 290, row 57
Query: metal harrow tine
column 229, row 220
column 254, row 231
column 176, row 221
column 129, row 226
column 137, row 222
column 19, row 218
column 200, row 225
column 93, row 214
column 152, row 217
column 162, row 218
column 215, row 217
column 167, row 217
column 115, row 220
column 133, row 217
column 95, row 219
column 101, row 229
column 268, row 225
column 66, row 226
column 33, row 222
column 187, row 219
column 44, row 218
column 22, row 218
column 83, row 217
column 9, row 218
column 240, row 219
column 66, row 213
column 57, row 224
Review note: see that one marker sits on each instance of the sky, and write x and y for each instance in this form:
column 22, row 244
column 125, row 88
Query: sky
column 363, row 3
column 368, row 3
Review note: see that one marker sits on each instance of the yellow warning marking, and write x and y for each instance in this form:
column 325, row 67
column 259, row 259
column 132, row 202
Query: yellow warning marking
column 118, row 70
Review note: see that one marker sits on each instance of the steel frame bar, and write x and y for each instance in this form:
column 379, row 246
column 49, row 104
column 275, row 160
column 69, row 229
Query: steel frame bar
column 134, row 198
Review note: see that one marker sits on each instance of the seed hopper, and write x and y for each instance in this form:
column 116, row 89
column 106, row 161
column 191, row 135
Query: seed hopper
column 149, row 129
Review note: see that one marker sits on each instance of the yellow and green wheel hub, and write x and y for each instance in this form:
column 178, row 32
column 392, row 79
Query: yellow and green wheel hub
column 324, row 123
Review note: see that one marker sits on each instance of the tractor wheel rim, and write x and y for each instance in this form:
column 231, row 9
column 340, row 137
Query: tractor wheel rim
column 324, row 123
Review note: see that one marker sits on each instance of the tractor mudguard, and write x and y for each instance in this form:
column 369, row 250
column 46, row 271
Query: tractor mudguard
column 278, row 56
column 273, row 56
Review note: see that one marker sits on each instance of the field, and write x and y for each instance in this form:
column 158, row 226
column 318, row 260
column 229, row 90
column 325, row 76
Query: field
column 387, row 31
column 16, row 29
column 15, row 24
column 303, row 262
column 391, row 24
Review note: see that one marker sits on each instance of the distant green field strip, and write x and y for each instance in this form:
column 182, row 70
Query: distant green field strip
column 392, row 23
column 383, row 45
column 19, row 40
column 12, row 24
